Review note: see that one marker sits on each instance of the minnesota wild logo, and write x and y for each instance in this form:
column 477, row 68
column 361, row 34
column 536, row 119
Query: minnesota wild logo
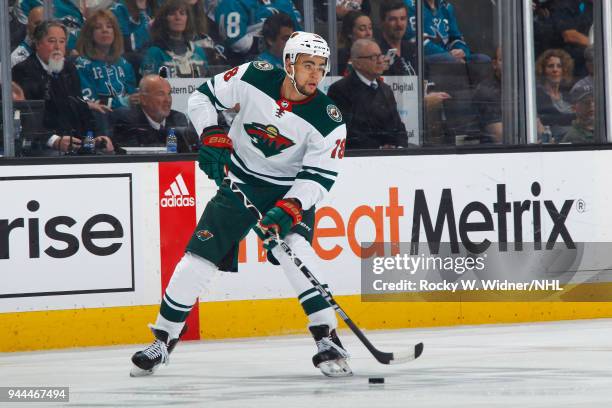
column 267, row 139
column 204, row 235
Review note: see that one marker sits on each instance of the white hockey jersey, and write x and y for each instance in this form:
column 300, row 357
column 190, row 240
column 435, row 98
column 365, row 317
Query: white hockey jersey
column 276, row 141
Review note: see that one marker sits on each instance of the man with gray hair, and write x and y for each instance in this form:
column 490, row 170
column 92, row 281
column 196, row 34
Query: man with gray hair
column 147, row 123
column 48, row 75
column 367, row 103
column 583, row 126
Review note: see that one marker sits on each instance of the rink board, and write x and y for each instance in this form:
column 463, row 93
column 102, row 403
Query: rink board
column 83, row 263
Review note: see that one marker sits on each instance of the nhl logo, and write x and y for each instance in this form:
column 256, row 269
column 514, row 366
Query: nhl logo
column 204, row 235
column 263, row 65
column 284, row 104
column 334, row 113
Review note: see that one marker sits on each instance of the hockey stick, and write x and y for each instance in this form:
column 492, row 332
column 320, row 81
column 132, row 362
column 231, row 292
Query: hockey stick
column 381, row 356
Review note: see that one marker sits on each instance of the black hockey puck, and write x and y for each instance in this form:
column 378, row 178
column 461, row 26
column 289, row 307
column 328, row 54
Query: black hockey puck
column 376, row 380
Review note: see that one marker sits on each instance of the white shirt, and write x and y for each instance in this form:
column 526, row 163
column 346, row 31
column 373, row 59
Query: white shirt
column 366, row 81
column 153, row 123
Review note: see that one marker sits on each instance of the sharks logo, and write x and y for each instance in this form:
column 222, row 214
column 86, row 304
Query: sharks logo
column 267, row 139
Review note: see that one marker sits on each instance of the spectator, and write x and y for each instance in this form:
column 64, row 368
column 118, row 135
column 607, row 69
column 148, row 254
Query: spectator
column 106, row 77
column 17, row 28
column 573, row 20
column 134, row 18
column 214, row 52
column 342, row 8
column 240, row 23
column 24, row 49
column 394, row 19
column 583, row 127
column 355, row 25
column 543, row 26
column 173, row 47
column 48, row 75
column 367, row 103
column 147, row 123
column 588, row 58
column 487, row 100
column 554, row 73
column 66, row 11
column 276, row 31
column 443, row 40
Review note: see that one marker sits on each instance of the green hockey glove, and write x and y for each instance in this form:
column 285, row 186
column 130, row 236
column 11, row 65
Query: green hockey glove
column 279, row 220
column 214, row 155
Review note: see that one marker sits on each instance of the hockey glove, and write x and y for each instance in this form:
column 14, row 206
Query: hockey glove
column 215, row 153
column 279, row 220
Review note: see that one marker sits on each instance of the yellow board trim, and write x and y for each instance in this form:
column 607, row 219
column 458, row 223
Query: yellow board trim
column 252, row 318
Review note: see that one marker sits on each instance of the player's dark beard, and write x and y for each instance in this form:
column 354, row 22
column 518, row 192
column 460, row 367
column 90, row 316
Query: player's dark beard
column 303, row 90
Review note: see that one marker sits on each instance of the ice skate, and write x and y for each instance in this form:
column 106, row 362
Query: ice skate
column 148, row 360
column 331, row 357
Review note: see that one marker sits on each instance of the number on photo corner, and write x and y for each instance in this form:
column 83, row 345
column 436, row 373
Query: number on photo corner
column 339, row 149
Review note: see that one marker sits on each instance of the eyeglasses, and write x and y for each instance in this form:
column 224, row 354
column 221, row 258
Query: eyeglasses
column 373, row 57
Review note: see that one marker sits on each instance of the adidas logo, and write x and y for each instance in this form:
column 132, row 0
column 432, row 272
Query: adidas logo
column 177, row 195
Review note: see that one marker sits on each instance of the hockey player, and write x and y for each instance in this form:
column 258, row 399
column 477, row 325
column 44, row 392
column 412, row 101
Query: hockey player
column 240, row 23
column 283, row 150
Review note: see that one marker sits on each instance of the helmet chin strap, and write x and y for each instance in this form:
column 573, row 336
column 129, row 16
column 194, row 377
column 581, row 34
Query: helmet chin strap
column 292, row 79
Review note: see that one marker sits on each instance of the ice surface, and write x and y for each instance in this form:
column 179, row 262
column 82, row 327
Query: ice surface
column 560, row 364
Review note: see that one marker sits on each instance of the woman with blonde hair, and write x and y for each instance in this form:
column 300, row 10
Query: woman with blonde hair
column 554, row 70
column 106, row 77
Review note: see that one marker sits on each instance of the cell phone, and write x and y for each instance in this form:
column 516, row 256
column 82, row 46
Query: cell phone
column 390, row 55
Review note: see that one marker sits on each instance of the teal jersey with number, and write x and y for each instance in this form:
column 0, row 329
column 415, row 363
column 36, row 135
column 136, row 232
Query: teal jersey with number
column 135, row 32
column 240, row 18
column 101, row 80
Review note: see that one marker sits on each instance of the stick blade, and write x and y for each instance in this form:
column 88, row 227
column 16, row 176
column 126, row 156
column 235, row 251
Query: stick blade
column 400, row 358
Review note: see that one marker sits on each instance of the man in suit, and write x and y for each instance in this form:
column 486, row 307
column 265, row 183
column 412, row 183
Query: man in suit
column 47, row 75
column 147, row 123
column 367, row 104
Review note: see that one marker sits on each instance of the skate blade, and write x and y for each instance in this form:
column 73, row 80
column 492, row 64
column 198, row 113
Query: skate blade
column 139, row 372
column 335, row 368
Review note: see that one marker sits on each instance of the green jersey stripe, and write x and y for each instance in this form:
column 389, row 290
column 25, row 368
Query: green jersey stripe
column 205, row 89
column 320, row 170
column 248, row 179
column 323, row 181
column 245, row 168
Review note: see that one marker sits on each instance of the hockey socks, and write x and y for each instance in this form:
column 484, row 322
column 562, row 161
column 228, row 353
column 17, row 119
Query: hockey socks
column 191, row 276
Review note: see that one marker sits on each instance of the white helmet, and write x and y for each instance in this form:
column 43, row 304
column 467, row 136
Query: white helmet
column 302, row 42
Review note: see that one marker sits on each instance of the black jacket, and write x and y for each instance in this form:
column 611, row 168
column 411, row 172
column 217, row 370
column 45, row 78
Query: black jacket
column 406, row 64
column 370, row 114
column 131, row 128
column 65, row 111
